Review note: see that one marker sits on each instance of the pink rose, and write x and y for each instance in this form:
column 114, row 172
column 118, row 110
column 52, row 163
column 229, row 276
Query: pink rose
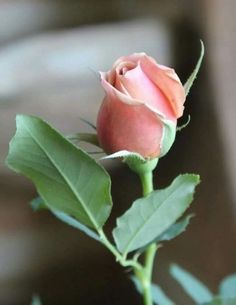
column 140, row 110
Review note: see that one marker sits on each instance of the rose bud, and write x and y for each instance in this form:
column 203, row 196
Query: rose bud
column 140, row 110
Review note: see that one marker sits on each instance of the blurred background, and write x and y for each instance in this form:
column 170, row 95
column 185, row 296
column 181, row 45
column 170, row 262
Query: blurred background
column 50, row 52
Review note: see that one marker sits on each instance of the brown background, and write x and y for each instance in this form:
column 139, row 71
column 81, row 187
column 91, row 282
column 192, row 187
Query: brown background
column 37, row 252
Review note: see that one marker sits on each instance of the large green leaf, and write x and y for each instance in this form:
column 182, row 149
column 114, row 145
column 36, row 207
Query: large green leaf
column 175, row 230
column 191, row 285
column 228, row 286
column 150, row 216
column 67, row 179
column 75, row 224
column 38, row 204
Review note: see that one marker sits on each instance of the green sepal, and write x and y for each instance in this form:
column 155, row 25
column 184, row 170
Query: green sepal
column 124, row 154
column 87, row 122
column 192, row 77
column 168, row 136
column 90, row 138
column 179, row 128
column 135, row 161
column 140, row 166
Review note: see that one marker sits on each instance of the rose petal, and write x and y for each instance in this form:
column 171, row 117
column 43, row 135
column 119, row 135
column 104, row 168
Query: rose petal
column 123, row 97
column 113, row 92
column 128, row 127
column 167, row 80
column 134, row 58
column 136, row 84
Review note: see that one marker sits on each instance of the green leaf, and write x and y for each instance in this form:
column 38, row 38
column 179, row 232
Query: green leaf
column 191, row 285
column 189, row 82
column 175, row 230
column 75, row 224
column 158, row 295
column 228, row 286
column 38, row 204
column 67, row 179
column 221, row 301
column 36, row 300
column 150, row 216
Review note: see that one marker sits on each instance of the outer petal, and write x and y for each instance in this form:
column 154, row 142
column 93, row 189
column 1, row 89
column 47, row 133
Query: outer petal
column 138, row 85
column 135, row 128
column 167, row 80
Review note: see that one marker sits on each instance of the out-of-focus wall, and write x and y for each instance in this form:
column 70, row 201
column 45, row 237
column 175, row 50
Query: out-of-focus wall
column 220, row 29
column 48, row 65
column 21, row 18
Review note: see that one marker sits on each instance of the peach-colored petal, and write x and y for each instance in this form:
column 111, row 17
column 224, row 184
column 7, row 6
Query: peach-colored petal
column 136, row 84
column 125, row 98
column 123, row 67
column 113, row 92
column 133, row 128
column 134, row 58
column 141, row 96
column 168, row 82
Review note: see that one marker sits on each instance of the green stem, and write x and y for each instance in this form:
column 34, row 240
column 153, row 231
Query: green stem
column 145, row 274
column 149, row 259
column 119, row 258
column 147, row 184
column 142, row 272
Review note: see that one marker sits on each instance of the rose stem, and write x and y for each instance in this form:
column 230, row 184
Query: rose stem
column 145, row 275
